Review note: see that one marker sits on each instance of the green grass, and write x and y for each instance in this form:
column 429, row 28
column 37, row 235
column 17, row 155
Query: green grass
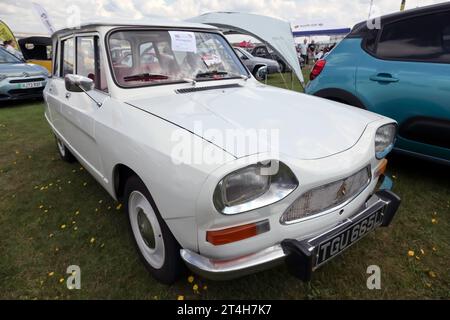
column 33, row 244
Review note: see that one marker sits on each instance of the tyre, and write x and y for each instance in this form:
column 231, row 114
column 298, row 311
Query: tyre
column 64, row 153
column 157, row 247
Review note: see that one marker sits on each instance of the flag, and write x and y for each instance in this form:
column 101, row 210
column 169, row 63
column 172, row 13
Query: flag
column 43, row 15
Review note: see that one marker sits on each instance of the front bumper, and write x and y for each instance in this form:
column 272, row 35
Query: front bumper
column 300, row 256
column 10, row 88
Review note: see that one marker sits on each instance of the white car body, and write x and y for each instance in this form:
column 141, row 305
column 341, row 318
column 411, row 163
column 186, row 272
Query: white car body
column 320, row 141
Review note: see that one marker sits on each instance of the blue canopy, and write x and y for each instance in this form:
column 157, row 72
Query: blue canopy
column 325, row 32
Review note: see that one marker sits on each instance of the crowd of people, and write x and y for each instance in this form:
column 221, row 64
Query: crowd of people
column 312, row 52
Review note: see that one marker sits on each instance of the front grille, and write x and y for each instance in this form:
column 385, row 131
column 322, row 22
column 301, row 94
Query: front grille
column 25, row 92
column 195, row 89
column 325, row 198
column 26, row 80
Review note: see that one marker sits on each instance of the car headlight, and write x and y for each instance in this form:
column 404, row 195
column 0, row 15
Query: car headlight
column 254, row 187
column 384, row 140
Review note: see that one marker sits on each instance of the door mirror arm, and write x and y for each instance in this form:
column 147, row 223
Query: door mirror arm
column 77, row 83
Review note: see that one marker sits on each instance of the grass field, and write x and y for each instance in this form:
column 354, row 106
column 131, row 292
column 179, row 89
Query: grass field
column 53, row 214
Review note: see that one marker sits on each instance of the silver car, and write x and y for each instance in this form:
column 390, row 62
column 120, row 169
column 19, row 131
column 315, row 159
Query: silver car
column 254, row 64
column 20, row 80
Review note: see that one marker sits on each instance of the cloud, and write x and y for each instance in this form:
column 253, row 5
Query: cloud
column 20, row 16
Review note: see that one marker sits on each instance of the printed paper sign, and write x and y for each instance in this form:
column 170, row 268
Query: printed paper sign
column 183, row 41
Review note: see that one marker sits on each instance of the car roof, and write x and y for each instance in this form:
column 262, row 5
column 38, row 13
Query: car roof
column 361, row 29
column 93, row 25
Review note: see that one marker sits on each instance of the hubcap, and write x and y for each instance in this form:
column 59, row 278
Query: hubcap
column 146, row 229
column 61, row 147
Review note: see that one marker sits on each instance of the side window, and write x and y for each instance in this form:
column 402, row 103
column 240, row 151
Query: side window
column 68, row 58
column 423, row 39
column 86, row 57
column 55, row 58
column 89, row 61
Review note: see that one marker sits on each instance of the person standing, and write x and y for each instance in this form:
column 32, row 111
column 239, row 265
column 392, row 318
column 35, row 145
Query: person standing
column 304, row 51
column 311, row 51
column 9, row 47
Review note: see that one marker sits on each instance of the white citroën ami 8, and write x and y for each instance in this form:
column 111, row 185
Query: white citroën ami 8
column 123, row 97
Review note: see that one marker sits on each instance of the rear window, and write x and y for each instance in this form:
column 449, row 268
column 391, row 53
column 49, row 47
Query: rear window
column 422, row 39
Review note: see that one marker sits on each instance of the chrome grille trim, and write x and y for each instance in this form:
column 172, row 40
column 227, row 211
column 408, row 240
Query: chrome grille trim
column 332, row 208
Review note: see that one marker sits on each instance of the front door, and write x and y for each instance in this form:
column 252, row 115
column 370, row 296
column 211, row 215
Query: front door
column 79, row 110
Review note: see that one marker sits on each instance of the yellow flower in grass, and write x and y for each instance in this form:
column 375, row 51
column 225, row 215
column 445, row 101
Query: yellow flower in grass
column 195, row 287
column 100, row 201
column 432, row 274
column 92, row 240
column 77, row 212
column 205, row 287
column 190, row 279
column 84, row 184
column 119, row 206
column 180, row 298
column 51, row 235
column 63, row 226
column 422, row 252
column 434, row 249
column 51, row 274
column 434, row 221
column 75, row 228
column 61, row 280
column 411, row 253
column 41, row 206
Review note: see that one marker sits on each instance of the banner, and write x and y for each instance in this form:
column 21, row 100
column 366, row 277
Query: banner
column 6, row 34
column 43, row 15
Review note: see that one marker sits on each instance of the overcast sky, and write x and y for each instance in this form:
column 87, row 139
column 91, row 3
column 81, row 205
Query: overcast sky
column 21, row 17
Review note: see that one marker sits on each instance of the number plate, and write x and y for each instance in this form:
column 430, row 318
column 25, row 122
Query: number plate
column 30, row 85
column 333, row 246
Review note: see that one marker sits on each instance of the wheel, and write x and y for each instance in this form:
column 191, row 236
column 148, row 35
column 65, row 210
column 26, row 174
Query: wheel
column 157, row 247
column 260, row 73
column 64, row 153
column 282, row 66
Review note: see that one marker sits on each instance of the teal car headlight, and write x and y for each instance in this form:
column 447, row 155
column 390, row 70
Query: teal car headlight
column 385, row 139
column 253, row 187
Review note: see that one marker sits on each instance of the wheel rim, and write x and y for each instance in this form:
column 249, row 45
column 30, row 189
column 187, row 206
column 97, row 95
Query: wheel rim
column 146, row 229
column 61, row 148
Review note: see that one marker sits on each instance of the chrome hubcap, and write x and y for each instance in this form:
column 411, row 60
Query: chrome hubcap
column 61, row 147
column 146, row 230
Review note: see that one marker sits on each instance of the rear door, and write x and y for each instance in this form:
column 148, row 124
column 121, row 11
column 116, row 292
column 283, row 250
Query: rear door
column 405, row 75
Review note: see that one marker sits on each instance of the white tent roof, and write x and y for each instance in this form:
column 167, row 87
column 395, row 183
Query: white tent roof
column 273, row 32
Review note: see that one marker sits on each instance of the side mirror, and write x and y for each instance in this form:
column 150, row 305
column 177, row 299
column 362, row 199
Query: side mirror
column 76, row 83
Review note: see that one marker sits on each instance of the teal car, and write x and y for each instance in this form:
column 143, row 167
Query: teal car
column 399, row 67
column 20, row 80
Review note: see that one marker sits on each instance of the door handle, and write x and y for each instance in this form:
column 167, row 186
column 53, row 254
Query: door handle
column 384, row 77
column 67, row 95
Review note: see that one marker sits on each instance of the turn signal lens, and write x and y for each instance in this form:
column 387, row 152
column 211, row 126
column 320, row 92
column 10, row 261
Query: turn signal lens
column 381, row 169
column 229, row 235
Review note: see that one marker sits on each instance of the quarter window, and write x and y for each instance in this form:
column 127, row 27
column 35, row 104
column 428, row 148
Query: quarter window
column 423, row 39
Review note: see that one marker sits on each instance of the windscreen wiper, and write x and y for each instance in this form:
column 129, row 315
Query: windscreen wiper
column 211, row 74
column 145, row 77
